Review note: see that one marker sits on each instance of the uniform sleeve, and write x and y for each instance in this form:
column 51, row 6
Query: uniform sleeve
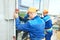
column 25, row 19
column 26, row 16
column 46, row 18
column 23, row 27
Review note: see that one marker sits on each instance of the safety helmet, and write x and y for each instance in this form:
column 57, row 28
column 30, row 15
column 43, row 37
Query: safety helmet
column 32, row 9
column 45, row 11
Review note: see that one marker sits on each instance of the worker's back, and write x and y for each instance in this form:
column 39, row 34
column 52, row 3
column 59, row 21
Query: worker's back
column 48, row 21
column 37, row 26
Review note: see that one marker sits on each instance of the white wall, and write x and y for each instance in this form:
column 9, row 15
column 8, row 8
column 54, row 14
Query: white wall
column 6, row 27
column 2, row 22
column 54, row 7
column 44, row 5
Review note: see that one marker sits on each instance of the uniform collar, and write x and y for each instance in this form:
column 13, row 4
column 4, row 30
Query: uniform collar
column 35, row 17
column 45, row 15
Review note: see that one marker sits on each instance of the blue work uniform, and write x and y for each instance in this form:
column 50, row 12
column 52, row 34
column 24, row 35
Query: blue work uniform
column 25, row 19
column 48, row 27
column 25, row 34
column 35, row 27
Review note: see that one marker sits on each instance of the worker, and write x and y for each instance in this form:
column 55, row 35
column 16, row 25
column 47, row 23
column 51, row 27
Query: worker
column 16, row 11
column 48, row 25
column 25, row 19
column 35, row 26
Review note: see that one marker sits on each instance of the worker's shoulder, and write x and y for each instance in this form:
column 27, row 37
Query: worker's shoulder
column 47, row 16
column 31, row 22
column 35, row 22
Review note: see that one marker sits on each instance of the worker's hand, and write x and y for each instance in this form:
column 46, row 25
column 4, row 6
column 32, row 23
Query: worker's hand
column 16, row 13
column 17, row 10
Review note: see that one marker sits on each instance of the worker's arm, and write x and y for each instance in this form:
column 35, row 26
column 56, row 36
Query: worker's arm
column 19, row 26
column 26, row 16
column 23, row 27
column 25, row 19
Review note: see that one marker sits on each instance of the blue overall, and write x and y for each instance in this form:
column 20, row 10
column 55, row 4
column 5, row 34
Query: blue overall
column 25, row 19
column 35, row 27
column 48, row 25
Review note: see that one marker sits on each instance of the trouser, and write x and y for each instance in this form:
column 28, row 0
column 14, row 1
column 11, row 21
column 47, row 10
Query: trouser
column 48, row 34
column 25, row 34
column 17, row 33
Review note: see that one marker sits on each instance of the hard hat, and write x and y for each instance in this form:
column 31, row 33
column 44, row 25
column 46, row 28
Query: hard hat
column 45, row 11
column 32, row 9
